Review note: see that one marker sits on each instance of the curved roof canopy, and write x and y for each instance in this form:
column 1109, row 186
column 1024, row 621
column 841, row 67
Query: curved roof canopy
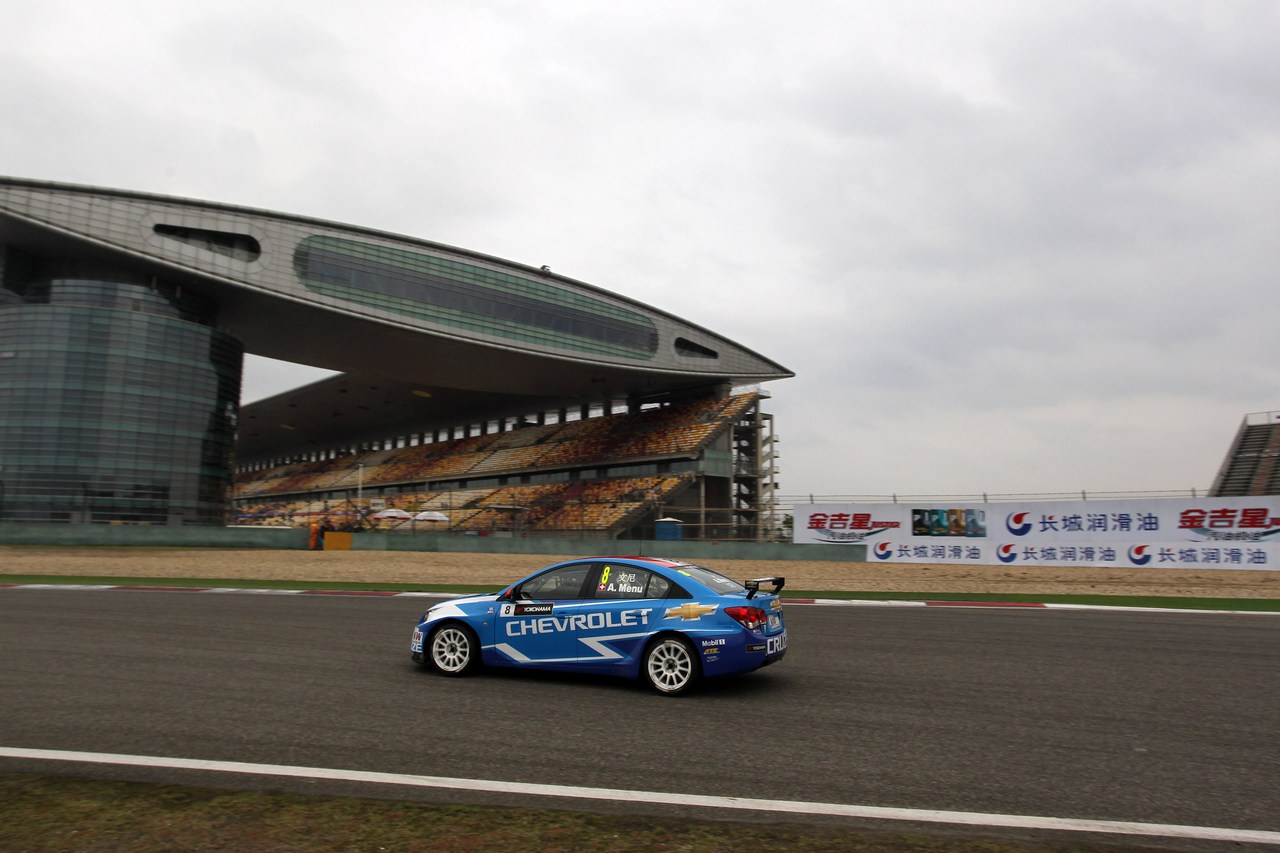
column 387, row 310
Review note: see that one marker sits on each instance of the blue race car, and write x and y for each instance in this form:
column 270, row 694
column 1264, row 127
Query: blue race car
column 666, row 622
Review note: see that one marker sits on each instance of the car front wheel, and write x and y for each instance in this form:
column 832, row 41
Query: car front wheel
column 452, row 649
column 670, row 666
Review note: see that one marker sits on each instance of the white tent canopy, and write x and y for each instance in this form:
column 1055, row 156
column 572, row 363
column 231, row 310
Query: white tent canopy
column 429, row 515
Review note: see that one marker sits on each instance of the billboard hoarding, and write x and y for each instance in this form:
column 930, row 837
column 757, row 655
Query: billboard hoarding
column 1183, row 533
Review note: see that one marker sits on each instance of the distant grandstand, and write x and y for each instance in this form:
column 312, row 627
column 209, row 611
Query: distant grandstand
column 1252, row 465
column 704, row 465
column 515, row 398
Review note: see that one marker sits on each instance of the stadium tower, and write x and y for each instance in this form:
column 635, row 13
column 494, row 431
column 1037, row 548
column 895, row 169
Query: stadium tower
column 124, row 318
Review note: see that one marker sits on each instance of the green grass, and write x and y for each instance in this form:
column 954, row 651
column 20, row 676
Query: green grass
column 1269, row 605
column 43, row 814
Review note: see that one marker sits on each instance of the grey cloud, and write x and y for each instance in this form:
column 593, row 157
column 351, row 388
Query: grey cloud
column 997, row 241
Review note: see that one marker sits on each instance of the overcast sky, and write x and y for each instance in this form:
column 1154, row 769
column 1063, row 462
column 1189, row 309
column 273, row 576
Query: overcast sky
column 1007, row 247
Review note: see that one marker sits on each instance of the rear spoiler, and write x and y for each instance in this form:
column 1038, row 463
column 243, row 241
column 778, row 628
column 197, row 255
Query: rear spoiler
column 753, row 585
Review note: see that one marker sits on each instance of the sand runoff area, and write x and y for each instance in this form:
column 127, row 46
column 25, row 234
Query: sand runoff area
column 496, row 569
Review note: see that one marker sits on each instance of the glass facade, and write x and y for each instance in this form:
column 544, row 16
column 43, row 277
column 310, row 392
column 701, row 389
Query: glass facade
column 470, row 297
column 118, row 399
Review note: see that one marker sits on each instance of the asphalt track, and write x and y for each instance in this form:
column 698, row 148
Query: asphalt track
column 1160, row 718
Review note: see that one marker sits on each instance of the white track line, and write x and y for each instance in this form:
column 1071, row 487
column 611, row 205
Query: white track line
column 1156, row 830
column 791, row 602
column 998, row 605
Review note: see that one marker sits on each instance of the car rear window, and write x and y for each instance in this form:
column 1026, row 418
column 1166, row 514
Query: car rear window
column 714, row 580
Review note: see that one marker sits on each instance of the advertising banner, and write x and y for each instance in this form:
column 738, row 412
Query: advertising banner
column 1180, row 533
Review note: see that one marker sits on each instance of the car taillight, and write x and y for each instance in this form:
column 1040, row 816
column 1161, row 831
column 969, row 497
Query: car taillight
column 749, row 617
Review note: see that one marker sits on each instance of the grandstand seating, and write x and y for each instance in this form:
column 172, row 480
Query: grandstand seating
column 286, row 494
column 594, row 505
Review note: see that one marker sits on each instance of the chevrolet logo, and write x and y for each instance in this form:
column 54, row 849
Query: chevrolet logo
column 690, row 612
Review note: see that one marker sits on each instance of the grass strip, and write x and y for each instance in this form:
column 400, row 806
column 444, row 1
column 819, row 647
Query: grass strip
column 1261, row 605
column 42, row 814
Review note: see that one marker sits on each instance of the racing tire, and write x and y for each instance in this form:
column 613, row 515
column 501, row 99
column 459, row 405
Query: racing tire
column 451, row 649
column 670, row 665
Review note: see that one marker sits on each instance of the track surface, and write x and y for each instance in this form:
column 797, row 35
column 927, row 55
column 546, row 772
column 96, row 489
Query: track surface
column 1159, row 718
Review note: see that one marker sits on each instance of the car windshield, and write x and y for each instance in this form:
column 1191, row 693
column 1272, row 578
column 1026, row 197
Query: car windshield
column 714, row 580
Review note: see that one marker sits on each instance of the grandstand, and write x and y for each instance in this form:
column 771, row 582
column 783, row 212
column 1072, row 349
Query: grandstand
column 1250, row 467
column 705, row 461
column 125, row 318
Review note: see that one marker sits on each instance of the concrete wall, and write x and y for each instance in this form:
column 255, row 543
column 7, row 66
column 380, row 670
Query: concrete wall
column 586, row 548
column 147, row 536
column 144, row 536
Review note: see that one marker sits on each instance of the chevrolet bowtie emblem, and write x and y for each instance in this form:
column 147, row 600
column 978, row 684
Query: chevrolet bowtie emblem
column 690, row 611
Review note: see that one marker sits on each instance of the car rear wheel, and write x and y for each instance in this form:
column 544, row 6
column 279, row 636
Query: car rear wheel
column 452, row 649
column 670, row 666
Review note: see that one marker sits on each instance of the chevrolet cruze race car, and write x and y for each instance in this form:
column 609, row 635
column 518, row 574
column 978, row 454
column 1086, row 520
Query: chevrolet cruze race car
column 665, row 622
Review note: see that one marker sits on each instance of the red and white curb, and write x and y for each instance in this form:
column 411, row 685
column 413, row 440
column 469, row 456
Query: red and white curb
column 819, row 602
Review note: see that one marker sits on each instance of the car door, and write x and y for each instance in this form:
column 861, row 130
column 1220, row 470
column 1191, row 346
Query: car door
column 618, row 619
column 535, row 626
